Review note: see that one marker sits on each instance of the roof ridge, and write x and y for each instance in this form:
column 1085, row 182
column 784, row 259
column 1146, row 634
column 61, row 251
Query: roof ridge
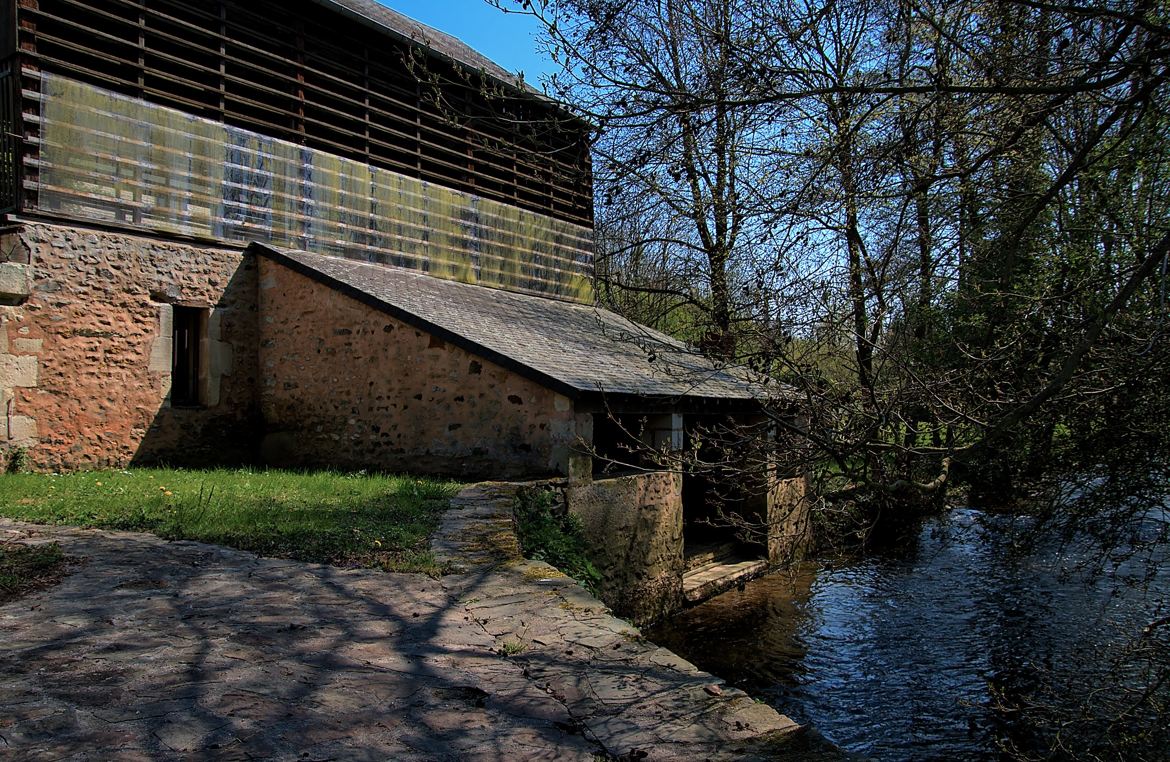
column 434, row 40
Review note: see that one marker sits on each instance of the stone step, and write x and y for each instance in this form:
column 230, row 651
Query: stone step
column 715, row 577
column 704, row 555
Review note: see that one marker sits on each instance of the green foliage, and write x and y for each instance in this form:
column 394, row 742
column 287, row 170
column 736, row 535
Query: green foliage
column 17, row 460
column 548, row 533
column 23, row 567
column 366, row 520
column 512, row 648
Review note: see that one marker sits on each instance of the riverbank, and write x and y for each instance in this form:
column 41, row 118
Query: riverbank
column 156, row 649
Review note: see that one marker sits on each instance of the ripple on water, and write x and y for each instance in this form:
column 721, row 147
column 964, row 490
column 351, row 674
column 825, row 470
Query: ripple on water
column 902, row 656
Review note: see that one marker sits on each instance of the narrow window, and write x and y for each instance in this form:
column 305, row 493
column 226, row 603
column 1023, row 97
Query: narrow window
column 189, row 326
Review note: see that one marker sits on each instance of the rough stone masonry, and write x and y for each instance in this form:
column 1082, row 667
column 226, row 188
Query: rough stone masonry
column 85, row 356
column 292, row 373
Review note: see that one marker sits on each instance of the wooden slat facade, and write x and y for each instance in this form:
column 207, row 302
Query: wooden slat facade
column 287, row 75
column 299, row 72
column 123, row 161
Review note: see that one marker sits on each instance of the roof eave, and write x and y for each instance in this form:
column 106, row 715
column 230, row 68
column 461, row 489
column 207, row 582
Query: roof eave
column 600, row 399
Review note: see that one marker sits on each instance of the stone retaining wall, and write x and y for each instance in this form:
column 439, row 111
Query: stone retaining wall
column 634, row 527
column 789, row 520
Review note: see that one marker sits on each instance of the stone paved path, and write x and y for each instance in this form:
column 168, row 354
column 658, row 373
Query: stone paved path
column 166, row 650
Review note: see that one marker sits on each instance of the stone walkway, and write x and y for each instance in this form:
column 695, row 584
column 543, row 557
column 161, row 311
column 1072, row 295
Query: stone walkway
column 163, row 650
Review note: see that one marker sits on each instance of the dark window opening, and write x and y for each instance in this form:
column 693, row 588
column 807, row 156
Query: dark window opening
column 186, row 356
column 616, row 447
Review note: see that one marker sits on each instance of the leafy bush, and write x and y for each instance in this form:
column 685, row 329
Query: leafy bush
column 549, row 533
column 17, row 460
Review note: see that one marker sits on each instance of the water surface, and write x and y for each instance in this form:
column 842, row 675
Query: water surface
column 908, row 655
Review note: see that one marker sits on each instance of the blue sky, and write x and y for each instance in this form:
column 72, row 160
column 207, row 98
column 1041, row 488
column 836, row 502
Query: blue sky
column 509, row 39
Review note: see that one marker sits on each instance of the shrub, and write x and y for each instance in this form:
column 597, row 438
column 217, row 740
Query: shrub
column 547, row 532
column 17, row 460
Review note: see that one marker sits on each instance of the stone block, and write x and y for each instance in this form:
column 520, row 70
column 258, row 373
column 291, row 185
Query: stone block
column 162, row 348
column 214, row 324
column 160, row 355
column 220, row 358
column 18, row 371
column 28, row 346
column 219, row 364
column 22, row 430
column 15, row 282
column 580, row 467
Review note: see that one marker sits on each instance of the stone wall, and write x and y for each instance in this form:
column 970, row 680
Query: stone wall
column 85, row 357
column 634, row 527
column 348, row 386
column 789, row 520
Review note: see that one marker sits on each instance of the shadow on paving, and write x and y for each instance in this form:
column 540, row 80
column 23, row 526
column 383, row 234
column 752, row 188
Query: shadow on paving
column 157, row 650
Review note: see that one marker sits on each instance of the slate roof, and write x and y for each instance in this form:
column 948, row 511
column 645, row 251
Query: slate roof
column 385, row 19
column 575, row 349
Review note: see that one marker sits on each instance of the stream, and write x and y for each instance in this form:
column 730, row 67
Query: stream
column 911, row 654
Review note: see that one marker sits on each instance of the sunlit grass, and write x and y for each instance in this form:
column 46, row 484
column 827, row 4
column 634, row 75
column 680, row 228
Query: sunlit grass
column 346, row 519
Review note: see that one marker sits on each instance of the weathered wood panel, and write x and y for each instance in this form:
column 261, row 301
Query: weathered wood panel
column 303, row 73
column 105, row 157
column 9, row 133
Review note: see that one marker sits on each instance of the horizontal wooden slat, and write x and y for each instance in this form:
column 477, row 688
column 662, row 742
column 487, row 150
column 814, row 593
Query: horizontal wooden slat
column 332, row 86
column 425, row 173
column 115, row 159
column 347, row 92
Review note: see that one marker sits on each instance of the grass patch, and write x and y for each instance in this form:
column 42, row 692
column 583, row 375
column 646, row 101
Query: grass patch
column 513, row 648
column 345, row 519
column 549, row 534
column 24, row 568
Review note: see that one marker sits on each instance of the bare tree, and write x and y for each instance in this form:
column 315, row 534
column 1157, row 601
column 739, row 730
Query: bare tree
column 943, row 225
column 875, row 201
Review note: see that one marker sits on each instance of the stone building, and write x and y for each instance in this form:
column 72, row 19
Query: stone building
column 317, row 233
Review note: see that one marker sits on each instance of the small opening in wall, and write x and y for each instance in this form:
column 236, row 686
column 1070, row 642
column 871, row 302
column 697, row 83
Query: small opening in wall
column 625, row 443
column 190, row 326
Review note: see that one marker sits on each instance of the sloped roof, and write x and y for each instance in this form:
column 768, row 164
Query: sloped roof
column 385, row 19
column 575, row 349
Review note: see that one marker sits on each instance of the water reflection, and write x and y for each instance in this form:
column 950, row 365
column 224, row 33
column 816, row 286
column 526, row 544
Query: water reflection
column 913, row 655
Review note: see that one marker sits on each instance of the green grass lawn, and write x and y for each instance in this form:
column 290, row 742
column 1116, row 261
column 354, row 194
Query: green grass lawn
column 345, row 519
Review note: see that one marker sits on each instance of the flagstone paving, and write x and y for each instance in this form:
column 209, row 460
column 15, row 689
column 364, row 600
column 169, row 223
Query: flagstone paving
column 151, row 650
